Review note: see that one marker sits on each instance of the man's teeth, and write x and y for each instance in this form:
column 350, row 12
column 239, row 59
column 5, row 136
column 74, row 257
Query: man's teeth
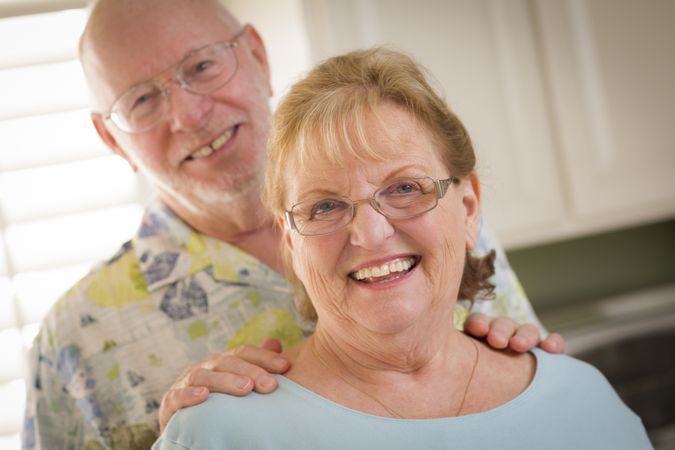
column 222, row 139
column 202, row 152
column 215, row 145
column 399, row 265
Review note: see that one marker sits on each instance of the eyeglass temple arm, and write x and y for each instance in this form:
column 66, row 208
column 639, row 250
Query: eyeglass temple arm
column 289, row 222
column 443, row 185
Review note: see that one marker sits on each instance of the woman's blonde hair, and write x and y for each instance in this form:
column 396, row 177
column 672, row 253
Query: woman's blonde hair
column 322, row 118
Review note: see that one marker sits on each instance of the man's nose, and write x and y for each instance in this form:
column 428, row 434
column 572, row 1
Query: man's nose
column 369, row 229
column 187, row 111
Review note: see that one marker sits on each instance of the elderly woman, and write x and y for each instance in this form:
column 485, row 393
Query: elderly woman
column 373, row 180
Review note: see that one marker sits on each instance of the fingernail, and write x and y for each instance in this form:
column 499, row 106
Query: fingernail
column 279, row 363
column 264, row 381
column 198, row 391
column 518, row 339
column 241, row 382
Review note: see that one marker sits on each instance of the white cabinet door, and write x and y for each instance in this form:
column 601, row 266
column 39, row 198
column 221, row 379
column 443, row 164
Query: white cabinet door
column 483, row 54
column 611, row 65
column 571, row 103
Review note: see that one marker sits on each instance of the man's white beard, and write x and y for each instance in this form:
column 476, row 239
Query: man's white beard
column 233, row 204
column 249, row 190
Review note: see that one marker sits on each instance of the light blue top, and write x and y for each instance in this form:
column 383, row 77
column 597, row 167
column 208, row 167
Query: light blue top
column 568, row 405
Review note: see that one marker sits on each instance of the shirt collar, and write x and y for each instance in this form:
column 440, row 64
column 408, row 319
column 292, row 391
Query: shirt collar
column 168, row 249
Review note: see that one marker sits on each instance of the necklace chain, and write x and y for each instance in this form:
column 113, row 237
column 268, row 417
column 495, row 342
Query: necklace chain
column 382, row 404
column 468, row 383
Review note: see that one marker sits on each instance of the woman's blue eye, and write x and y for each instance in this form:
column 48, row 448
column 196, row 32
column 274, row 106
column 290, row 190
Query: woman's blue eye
column 406, row 187
column 325, row 207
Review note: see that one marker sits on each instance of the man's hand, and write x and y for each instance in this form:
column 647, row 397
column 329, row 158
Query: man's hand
column 236, row 372
column 503, row 332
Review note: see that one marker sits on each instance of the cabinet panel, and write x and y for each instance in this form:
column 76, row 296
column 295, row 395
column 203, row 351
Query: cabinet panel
column 485, row 61
column 611, row 64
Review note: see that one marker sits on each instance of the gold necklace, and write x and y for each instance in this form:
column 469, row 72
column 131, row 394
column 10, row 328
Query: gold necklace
column 382, row 404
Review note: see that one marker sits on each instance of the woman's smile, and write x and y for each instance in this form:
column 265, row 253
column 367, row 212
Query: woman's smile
column 386, row 272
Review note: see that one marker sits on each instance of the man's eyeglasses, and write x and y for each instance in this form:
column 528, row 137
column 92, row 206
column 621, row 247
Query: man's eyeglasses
column 403, row 198
column 201, row 71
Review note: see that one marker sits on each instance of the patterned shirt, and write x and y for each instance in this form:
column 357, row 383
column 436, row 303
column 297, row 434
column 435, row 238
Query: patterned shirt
column 115, row 342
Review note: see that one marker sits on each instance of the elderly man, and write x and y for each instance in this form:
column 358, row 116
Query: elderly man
column 180, row 90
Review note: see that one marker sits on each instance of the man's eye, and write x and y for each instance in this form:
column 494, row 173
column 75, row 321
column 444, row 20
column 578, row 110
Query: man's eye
column 143, row 99
column 201, row 67
column 144, row 102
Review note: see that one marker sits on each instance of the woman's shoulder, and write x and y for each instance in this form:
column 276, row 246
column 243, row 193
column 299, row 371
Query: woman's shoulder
column 502, row 376
column 560, row 369
column 574, row 384
column 577, row 392
column 222, row 418
column 567, row 404
column 509, row 376
column 203, row 426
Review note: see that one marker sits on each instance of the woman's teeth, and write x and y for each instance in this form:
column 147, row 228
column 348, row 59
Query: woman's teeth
column 215, row 145
column 399, row 265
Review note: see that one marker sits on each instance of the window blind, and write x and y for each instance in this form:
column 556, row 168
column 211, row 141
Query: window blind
column 65, row 200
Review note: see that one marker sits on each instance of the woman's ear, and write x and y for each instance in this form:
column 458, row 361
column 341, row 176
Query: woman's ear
column 109, row 140
column 471, row 202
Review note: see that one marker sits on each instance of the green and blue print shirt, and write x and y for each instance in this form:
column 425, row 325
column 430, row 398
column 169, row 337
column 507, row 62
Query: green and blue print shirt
column 116, row 341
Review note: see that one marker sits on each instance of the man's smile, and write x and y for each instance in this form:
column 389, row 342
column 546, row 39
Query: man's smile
column 217, row 143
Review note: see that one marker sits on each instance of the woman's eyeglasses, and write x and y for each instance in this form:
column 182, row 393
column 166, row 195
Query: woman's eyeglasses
column 402, row 198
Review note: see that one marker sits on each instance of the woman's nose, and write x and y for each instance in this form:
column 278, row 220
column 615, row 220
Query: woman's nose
column 188, row 111
column 369, row 229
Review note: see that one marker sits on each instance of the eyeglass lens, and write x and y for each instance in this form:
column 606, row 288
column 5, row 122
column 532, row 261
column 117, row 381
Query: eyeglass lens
column 400, row 199
column 201, row 72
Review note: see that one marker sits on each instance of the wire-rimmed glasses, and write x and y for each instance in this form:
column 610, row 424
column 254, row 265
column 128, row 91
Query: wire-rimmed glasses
column 402, row 198
column 144, row 105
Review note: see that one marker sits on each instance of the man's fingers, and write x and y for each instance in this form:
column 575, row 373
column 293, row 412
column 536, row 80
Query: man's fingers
column 268, row 359
column 525, row 338
column 554, row 343
column 501, row 330
column 238, row 371
column 176, row 399
column 226, row 382
column 477, row 325
column 272, row 345
column 234, row 374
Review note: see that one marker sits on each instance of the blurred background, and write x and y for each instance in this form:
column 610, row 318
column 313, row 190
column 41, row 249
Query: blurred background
column 571, row 105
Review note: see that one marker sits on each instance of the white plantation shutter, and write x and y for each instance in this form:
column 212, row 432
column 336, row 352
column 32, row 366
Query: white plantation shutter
column 65, row 200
